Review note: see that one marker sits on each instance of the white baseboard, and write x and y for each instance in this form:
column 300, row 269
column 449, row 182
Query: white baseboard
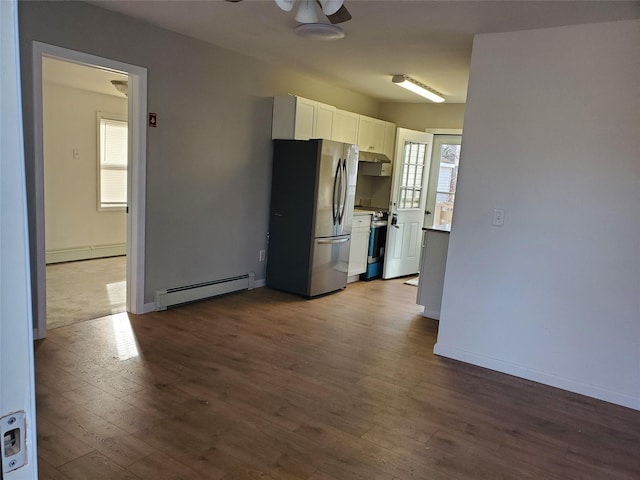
column 85, row 253
column 435, row 314
column 151, row 307
column 537, row 376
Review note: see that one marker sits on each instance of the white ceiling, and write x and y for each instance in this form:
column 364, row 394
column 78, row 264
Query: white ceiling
column 83, row 77
column 428, row 40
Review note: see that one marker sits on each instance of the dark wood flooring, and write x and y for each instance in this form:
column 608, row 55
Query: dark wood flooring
column 266, row 385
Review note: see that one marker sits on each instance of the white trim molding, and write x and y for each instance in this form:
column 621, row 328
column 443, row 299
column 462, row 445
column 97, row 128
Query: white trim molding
column 444, row 131
column 87, row 252
column 137, row 108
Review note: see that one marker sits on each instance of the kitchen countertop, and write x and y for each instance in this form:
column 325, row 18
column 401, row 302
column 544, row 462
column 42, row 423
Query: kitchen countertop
column 363, row 211
column 437, row 229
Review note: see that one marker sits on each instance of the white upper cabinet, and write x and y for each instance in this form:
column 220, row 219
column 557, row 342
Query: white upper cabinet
column 371, row 133
column 298, row 118
column 293, row 118
column 324, row 121
column 345, row 127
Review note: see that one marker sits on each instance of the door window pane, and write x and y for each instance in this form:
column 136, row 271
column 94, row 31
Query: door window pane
column 446, row 189
column 413, row 163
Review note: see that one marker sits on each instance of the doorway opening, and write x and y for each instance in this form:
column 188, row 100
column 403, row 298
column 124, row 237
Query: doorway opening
column 132, row 210
column 85, row 147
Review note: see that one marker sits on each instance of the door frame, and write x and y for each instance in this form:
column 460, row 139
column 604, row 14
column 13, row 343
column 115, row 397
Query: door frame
column 136, row 191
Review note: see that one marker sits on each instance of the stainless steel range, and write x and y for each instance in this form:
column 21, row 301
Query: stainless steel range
column 377, row 241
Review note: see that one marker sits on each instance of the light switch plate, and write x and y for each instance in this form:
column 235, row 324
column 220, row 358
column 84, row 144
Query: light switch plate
column 498, row 217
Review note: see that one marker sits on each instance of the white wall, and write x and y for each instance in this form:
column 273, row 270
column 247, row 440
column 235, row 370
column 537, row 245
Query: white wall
column 551, row 135
column 72, row 219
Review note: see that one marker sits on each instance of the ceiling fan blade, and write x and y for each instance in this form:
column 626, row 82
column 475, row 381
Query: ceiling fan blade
column 342, row 15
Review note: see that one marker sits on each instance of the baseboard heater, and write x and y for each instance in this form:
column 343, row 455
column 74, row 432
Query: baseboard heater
column 200, row 291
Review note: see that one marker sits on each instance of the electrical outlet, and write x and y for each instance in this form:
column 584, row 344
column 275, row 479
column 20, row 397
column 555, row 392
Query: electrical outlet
column 261, row 255
column 498, row 217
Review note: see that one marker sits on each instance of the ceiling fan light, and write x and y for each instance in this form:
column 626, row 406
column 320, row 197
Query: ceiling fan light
column 307, row 12
column 285, row 5
column 417, row 87
column 121, row 86
column 329, row 7
column 319, row 31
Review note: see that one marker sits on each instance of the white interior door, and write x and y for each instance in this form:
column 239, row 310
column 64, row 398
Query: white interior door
column 17, row 394
column 407, row 206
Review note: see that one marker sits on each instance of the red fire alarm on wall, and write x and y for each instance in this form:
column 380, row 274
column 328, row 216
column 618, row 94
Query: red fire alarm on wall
column 152, row 119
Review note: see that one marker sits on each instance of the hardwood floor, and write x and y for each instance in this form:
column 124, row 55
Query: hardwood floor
column 266, row 385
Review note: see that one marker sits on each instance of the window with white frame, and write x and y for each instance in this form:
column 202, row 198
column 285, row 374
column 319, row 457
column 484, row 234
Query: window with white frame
column 112, row 161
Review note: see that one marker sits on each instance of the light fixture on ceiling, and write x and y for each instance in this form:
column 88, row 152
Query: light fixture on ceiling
column 307, row 8
column 307, row 12
column 319, row 31
column 417, row 87
column 122, row 86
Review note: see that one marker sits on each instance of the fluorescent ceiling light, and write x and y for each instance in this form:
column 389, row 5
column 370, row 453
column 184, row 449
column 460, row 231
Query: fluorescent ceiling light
column 417, row 87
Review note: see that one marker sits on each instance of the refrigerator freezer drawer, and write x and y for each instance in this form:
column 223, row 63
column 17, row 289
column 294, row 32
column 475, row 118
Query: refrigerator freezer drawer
column 330, row 264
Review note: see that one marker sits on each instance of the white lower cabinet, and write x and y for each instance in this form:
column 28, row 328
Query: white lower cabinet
column 432, row 268
column 359, row 245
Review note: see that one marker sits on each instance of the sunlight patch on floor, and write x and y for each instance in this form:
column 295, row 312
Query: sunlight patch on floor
column 125, row 339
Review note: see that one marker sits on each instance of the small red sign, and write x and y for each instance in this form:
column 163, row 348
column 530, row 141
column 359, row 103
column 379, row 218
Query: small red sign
column 152, row 119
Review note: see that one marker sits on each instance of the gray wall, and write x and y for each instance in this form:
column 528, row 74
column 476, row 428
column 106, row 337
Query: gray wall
column 551, row 136
column 209, row 159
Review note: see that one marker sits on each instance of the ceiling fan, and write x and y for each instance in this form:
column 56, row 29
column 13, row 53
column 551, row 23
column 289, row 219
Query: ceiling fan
column 334, row 10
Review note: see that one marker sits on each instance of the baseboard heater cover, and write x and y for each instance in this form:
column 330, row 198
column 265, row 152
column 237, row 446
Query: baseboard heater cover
column 200, row 291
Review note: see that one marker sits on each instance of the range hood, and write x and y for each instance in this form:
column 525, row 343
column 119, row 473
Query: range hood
column 374, row 164
column 372, row 157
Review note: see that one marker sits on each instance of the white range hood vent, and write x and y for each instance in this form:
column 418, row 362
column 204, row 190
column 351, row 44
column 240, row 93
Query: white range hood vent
column 373, row 157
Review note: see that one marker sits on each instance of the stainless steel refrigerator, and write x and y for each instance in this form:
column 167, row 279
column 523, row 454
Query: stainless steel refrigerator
column 312, row 195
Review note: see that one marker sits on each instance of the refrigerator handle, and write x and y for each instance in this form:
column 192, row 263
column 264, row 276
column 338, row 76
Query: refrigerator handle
column 334, row 240
column 345, row 190
column 334, row 203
